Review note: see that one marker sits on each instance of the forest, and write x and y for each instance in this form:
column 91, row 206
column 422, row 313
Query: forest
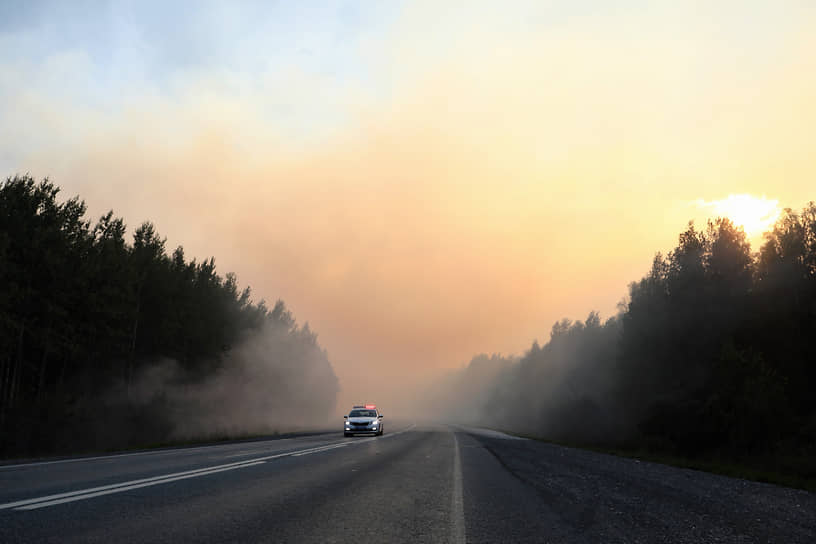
column 108, row 344
column 711, row 354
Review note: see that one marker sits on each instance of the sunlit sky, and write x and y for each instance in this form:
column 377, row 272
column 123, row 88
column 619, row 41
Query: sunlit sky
column 420, row 181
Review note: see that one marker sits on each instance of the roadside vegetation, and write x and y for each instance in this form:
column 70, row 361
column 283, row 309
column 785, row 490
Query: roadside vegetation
column 711, row 359
column 781, row 469
column 108, row 344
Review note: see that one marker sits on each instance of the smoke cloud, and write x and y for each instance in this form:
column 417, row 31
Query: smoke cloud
column 266, row 384
column 484, row 172
column 566, row 389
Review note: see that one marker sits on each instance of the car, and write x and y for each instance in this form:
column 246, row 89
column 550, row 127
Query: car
column 363, row 419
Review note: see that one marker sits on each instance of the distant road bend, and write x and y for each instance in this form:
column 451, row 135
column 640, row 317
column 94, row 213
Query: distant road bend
column 417, row 483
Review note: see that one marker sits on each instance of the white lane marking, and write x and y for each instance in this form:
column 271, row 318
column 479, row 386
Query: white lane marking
column 239, row 454
column 129, row 487
column 156, row 479
column 171, row 451
column 318, row 450
column 159, row 479
column 70, row 496
column 457, row 502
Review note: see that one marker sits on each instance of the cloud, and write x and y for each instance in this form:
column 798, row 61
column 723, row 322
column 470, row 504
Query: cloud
column 475, row 176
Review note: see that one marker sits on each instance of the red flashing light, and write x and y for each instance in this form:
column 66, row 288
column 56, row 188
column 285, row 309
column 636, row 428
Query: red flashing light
column 371, row 406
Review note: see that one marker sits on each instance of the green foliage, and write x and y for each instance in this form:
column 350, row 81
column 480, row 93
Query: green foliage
column 82, row 313
column 713, row 353
column 747, row 400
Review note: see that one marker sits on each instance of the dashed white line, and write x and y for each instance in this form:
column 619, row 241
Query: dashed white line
column 88, row 493
column 318, row 450
column 149, row 481
column 239, row 454
column 129, row 487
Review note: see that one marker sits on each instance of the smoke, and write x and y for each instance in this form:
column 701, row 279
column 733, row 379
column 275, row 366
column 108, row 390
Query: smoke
column 412, row 214
column 563, row 390
column 270, row 382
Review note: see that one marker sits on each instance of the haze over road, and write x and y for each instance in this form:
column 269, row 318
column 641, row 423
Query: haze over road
column 417, row 483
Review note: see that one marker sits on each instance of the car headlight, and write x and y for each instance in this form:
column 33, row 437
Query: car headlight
column 347, row 423
column 374, row 423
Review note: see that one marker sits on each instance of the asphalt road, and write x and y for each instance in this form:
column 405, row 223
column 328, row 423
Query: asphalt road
column 414, row 484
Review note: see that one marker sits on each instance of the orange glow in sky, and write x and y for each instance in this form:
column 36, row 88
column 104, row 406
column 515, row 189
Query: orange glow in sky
column 446, row 179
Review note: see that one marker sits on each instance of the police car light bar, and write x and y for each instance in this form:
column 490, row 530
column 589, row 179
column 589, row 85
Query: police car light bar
column 371, row 406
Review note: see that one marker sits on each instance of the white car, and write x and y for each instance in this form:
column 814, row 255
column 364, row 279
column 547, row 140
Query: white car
column 363, row 419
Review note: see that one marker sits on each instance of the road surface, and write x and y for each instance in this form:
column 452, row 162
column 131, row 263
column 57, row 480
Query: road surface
column 426, row 483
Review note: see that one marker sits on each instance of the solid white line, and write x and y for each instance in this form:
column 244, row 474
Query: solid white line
column 82, row 494
column 129, row 487
column 156, row 479
column 120, row 484
column 457, row 502
column 169, row 451
column 60, row 498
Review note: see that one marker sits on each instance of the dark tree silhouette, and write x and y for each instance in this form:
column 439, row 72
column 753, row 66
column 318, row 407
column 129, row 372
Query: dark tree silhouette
column 713, row 352
column 84, row 316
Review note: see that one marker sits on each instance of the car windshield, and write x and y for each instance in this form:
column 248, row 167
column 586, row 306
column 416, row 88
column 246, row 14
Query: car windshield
column 363, row 413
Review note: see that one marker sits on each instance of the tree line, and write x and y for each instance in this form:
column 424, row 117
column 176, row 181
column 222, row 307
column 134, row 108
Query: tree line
column 713, row 352
column 84, row 314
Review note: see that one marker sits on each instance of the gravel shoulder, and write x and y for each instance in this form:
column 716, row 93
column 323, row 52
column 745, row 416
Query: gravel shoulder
column 595, row 497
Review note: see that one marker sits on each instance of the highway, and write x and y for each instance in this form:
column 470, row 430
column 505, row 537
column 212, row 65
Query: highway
column 417, row 483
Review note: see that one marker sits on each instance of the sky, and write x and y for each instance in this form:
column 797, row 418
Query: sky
column 420, row 181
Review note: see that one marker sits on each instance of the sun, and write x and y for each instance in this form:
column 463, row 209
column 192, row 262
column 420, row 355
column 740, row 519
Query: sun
column 754, row 214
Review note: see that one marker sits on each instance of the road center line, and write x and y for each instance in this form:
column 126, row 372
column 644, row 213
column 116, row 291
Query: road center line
column 239, row 454
column 318, row 450
column 129, row 487
column 154, row 480
column 120, row 484
column 82, row 494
